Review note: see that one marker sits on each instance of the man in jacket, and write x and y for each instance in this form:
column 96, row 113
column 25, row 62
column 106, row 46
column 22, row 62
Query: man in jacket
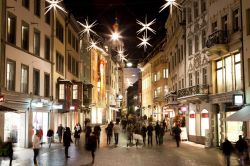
column 67, row 140
column 60, row 132
column 116, row 132
column 227, row 149
column 150, row 133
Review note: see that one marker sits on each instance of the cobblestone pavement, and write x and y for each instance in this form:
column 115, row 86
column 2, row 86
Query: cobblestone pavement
column 188, row 154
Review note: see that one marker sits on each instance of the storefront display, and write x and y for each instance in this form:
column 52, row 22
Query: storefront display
column 204, row 122
column 192, row 123
column 233, row 129
column 41, row 120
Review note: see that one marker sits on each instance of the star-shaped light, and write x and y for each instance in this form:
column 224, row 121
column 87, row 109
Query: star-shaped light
column 54, row 4
column 145, row 26
column 93, row 44
column 170, row 3
column 87, row 28
column 144, row 42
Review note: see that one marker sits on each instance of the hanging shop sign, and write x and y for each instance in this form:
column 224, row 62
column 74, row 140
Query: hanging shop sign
column 238, row 99
column 192, row 115
column 184, row 109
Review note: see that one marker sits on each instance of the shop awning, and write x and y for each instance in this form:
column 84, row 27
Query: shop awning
column 241, row 115
column 7, row 109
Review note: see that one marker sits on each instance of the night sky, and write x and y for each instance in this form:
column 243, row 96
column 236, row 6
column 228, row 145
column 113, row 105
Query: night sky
column 127, row 11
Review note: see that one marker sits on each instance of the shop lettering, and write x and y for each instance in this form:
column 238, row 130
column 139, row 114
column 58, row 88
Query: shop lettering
column 192, row 115
column 204, row 115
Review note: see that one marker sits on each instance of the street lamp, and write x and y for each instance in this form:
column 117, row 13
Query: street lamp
column 129, row 64
column 115, row 36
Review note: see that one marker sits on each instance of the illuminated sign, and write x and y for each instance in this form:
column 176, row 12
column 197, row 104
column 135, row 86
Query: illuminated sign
column 72, row 108
column 184, row 109
column 238, row 99
column 58, row 107
column 204, row 115
column 192, row 115
column 1, row 98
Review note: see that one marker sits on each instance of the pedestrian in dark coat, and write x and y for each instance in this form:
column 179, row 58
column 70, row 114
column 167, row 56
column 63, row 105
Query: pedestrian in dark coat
column 227, row 149
column 109, row 131
column 88, row 131
column 91, row 145
column 177, row 134
column 97, row 132
column 60, row 132
column 150, row 133
column 144, row 132
column 161, row 134
column 157, row 133
column 67, row 140
column 241, row 146
column 50, row 135
column 77, row 133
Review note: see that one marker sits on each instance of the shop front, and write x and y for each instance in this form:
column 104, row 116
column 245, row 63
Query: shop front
column 96, row 115
column 41, row 121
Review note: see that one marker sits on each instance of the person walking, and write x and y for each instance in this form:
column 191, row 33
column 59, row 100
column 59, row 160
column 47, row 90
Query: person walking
column 157, row 132
column 97, row 132
column 161, row 133
column 60, row 132
column 241, row 146
column 88, row 131
column 77, row 132
column 50, row 135
column 130, row 133
column 150, row 133
column 144, row 133
column 36, row 146
column 116, row 132
column 66, row 141
column 40, row 135
column 109, row 131
column 227, row 149
column 177, row 134
column 91, row 145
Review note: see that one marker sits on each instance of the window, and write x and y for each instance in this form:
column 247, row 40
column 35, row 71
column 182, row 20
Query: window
column 204, row 38
column 165, row 73
column 219, row 72
column 236, row 20
column 37, row 7
column 248, row 21
column 69, row 36
column 237, row 73
column 190, row 79
column 25, row 36
column 77, row 45
column 73, row 44
column 189, row 15
column 214, row 26
column 224, row 23
column 155, row 77
column 36, row 82
column 61, row 92
column 59, row 31
column 26, row 3
column 36, row 42
column 24, row 79
column 69, row 63
column 11, row 73
column 182, row 83
column 47, row 48
column 196, row 38
column 203, row 6
column 204, row 76
column 190, row 47
column 182, row 57
column 75, row 91
column 178, row 55
column 197, row 77
column 228, row 74
column 46, row 85
column 48, row 14
column 11, row 29
column 59, row 63
column 196, row 10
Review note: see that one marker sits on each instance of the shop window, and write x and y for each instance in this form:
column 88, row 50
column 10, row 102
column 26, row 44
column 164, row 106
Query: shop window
column 192, row 126
column 11, row 74
column 61, row 91
column 24, row 78
column 11, row 29
column 36, row 82
column 204, row 122
column 25, row 36
column 75, row 91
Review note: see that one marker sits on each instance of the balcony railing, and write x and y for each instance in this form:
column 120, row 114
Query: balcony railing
column 193, row 90
column 218, row 37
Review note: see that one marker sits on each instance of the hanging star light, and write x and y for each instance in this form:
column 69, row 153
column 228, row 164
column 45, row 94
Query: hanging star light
column 145, row 26
column 87, row 28
column 123, row 58
column 93, row 45
column 54, row 4
column 170, row 3
column 144, row 42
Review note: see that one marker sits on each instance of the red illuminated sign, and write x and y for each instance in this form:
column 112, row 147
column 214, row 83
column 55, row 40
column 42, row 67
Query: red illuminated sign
column 204, row 115
column 1, row 98
column 192, row 115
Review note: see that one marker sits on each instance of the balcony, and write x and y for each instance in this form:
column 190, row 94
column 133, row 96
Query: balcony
column 193, row 93
column 217, row 44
